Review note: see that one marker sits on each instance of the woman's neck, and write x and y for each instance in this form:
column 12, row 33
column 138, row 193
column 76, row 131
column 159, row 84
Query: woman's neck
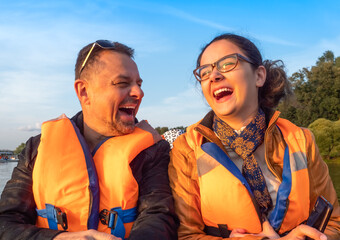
column 237, row 122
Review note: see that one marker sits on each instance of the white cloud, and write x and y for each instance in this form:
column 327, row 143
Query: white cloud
column 208, row 23
column 29, row 128
column 184, row 15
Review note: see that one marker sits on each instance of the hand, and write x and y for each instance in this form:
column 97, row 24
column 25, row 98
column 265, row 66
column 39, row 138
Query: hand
column 298, row 233
column 267, row 231
column 302, row 231
column 86, row 235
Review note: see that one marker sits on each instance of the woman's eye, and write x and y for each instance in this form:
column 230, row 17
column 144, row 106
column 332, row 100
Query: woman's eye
column 205, row 73
column 227, row 65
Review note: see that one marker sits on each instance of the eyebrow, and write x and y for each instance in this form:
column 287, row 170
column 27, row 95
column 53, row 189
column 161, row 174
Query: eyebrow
column 128, row 78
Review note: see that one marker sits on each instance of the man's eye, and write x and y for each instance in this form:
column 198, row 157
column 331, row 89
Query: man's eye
column 120, row 83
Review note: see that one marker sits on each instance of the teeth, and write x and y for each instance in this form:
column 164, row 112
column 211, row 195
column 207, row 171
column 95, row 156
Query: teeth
column 222, row 90
column 129, row 107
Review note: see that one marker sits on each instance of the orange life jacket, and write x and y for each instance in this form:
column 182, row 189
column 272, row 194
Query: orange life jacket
column 87, row 189
column 226, row 197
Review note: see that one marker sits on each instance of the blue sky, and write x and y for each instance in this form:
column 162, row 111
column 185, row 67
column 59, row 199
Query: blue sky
column 40, row 40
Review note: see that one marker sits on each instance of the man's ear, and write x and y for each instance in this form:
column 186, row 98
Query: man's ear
column 261, row 75
column 81, row 87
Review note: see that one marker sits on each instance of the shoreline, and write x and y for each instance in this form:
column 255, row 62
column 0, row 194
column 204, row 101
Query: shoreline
column 7, row 161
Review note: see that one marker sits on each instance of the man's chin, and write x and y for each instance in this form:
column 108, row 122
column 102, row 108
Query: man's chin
column 125, row 128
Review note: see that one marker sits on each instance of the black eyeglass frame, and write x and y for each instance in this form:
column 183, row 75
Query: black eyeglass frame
column 238, row 57
column 104, row 44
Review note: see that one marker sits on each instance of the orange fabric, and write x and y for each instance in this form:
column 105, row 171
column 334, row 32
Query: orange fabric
column 298, row 208
column 124, row 149
column 239, row 211
column 52, row 173
column 60, row 174
column 216, row 208
column 184, row 179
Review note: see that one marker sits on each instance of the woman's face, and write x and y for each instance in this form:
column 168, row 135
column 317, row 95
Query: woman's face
column 233, row 96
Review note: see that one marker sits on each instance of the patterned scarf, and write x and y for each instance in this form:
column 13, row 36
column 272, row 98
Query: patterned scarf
column 244, row 145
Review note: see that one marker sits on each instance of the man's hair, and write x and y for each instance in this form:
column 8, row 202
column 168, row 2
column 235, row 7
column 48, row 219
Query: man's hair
column 93, row 58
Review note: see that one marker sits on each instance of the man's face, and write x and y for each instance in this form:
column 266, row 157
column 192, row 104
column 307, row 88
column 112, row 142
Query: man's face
column 114, row 95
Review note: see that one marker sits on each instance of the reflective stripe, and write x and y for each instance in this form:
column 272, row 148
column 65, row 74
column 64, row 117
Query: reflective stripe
column 277, row 215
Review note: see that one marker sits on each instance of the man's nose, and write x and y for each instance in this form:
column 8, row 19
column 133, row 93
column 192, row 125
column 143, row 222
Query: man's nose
column 137, row 92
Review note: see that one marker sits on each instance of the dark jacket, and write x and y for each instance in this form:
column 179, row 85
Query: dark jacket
column 156, row 218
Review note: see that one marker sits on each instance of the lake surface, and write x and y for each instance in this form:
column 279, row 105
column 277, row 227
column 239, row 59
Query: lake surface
column 7, row 168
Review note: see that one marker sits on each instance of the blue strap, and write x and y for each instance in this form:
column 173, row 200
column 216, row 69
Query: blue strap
column 277, row 215
column 217, row 153
column 49, row 213
column 123, row 216
column 92, row 222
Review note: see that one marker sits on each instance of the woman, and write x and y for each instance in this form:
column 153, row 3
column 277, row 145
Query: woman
column 242, row 171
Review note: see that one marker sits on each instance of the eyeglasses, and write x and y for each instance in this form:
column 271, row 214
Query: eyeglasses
column 104, row 44
column 223, row 65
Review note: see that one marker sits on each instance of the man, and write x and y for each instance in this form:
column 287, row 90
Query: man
column 99, row 175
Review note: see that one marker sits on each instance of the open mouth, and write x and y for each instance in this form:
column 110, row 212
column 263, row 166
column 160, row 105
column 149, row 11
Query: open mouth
column 223, row 92
column 128, row 110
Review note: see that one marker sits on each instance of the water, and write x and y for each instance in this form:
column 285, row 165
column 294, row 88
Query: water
column 6, row 170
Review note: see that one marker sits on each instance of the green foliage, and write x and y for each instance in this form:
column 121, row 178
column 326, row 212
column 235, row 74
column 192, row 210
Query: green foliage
column 19, row 148
column 162, row 130
column 316, row 92
column 327, row 137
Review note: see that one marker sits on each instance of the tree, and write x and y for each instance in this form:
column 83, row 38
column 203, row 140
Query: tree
column 316, row 92
column 161, row 130
column 327, row 137
column 19, row 148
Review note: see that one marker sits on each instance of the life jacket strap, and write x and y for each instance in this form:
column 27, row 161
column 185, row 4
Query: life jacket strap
column 115, row 219
column 54, row 216
column 221, row 231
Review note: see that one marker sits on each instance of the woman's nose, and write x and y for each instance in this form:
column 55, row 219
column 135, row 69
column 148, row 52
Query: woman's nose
column 215, row 75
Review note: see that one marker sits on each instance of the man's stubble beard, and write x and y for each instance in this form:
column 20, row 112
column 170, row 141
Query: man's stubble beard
column 119, row 128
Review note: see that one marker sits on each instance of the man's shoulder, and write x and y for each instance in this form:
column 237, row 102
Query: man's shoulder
column 161, row 146
column 144, row 125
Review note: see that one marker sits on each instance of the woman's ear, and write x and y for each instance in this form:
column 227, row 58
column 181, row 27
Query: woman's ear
column 261, row 75
column 81, row 87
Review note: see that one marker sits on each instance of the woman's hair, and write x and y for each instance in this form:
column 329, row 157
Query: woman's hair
column 276, row 86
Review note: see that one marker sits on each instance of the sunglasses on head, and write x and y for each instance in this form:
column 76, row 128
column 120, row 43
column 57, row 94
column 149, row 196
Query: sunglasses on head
column 104, row 44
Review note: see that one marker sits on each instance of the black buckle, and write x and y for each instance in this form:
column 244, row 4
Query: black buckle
column 61, row 218
column 105, row 217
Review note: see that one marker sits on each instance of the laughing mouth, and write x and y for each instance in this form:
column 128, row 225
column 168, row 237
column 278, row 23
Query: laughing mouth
column 223, row 92
column 128, row 110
